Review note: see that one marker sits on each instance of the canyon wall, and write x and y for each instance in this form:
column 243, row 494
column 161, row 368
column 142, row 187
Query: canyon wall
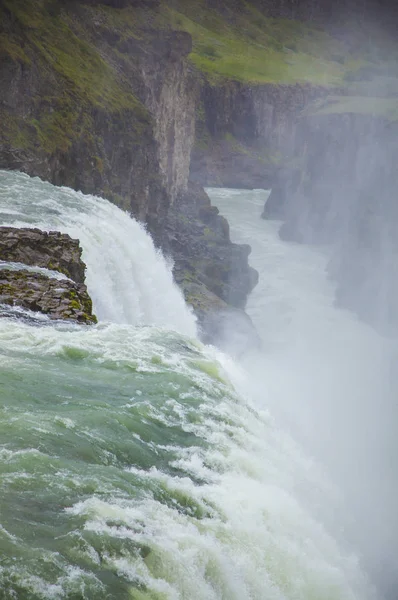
column 342, row 194
column 141, row 101
column 245, row 132
column 95, row 96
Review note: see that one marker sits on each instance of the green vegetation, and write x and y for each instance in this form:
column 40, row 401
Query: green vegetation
column 11, row 48
column 77, row 79
column 74, row 58
column 248, row 46
column 86, row 58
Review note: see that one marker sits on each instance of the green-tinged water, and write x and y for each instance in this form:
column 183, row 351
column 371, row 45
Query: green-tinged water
column 133, row 464
column 131, row 469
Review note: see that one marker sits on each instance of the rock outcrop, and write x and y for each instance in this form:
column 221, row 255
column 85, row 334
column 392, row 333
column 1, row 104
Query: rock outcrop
column 198, row 239
column 213, row 273
column 50, row 250
column 36, row 288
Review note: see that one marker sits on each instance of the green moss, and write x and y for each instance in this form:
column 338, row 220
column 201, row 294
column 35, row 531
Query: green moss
column 81, row 303
column 99, row 164
column 49, row 34
column 73, row 57
column 12, row 49
column 75, row 304
column 56, row 130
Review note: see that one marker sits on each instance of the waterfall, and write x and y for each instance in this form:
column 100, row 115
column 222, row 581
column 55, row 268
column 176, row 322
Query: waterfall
column 127, row 278
column 135, row 463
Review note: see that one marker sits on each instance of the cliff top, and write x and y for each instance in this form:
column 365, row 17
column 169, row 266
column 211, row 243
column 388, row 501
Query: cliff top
column 252, row 42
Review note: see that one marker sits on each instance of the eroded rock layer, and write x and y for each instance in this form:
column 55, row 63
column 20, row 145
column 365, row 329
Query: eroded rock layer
column 63, row 297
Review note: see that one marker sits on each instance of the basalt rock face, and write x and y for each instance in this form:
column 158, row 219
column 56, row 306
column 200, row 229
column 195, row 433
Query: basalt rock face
column 170, row 91
column 101, row 120
column 59, row 298
column 213, row 273
column 198, row 240
column 245, row 132
column 344, row 196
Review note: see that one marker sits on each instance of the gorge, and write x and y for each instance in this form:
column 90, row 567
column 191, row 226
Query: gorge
column 144, row 103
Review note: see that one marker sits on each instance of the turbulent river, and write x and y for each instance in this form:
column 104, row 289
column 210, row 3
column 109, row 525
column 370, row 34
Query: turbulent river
column 136, row 463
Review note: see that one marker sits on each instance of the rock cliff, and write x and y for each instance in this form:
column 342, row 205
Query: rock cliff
column 114, row 97
column 245, row 131
column 100, row 96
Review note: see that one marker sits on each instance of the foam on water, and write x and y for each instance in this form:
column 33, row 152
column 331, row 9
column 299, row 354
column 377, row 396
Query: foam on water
column 134, row 463
column 128, row 279
column 221, row 518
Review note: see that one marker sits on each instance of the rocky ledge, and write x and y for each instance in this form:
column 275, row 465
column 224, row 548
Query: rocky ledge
column 213, row 273
column 63, row 297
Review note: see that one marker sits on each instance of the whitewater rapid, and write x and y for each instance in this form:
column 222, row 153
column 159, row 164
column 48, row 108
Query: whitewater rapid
column 136, row 463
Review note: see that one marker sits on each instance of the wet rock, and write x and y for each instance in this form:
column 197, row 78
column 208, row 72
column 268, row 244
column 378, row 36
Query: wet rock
column 53, row 250
column 197, row 238
column 59, row 299
column 213, row 273
column 244, row 132
column 36, row 291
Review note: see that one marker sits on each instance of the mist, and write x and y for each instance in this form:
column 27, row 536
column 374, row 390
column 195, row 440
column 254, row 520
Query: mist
column 325, row 376
column 326, row 305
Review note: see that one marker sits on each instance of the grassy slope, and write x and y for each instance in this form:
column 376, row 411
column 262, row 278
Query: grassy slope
column 243, row 45
column 76, row 77
column 377, row 106
column 248, row 46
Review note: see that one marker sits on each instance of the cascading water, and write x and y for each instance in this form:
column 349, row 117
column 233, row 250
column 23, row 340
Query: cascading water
column 133, row 462
column 129, row 281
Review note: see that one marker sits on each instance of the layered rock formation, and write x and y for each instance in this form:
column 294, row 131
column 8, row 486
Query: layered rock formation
column 49, row 250
column 38, row 289
column 245, row 132
column 212, row 271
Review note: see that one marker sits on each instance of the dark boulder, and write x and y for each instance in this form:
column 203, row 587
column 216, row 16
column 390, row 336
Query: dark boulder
column 53, row 250
column 59, row 299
